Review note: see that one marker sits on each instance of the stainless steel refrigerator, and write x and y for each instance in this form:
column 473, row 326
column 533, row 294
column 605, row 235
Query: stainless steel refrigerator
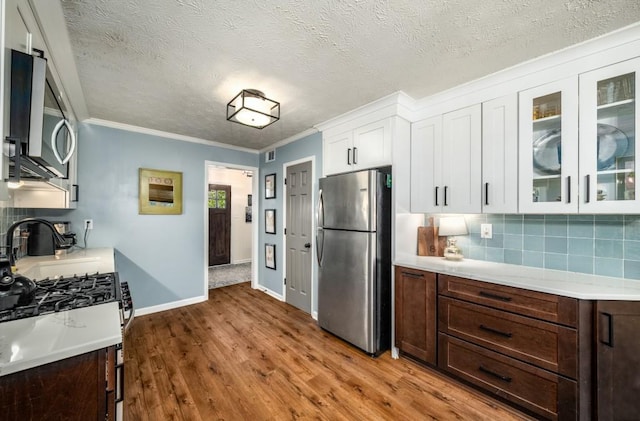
column 354, row 258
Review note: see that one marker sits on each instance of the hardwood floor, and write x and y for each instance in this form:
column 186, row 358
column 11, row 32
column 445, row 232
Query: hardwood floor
column 243, row 355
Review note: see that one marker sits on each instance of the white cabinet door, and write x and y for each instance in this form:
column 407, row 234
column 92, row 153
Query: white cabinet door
column 426, row 165
column 609, row 119
column 372, row 145
column 548, row 148
column 365, row 147
column 461, row 160
column 500, row 155
column 338, row 153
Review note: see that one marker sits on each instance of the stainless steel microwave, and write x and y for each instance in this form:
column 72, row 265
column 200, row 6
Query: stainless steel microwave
column 41, row 138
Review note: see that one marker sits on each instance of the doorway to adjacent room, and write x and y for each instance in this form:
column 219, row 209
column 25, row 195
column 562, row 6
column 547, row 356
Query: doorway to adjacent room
column 229, row 234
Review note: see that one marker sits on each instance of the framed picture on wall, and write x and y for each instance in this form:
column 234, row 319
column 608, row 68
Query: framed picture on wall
column 160, row 192
column 270, row 186
column 270, row 256
column 270, row 221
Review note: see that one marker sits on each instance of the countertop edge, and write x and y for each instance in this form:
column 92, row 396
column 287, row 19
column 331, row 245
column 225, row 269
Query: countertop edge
column 103, row 327
column 567, row 284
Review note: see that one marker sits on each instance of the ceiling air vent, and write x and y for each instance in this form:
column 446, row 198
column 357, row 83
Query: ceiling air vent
column 270, row 156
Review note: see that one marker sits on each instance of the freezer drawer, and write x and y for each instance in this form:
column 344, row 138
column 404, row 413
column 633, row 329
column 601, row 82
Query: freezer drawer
column 347, row 287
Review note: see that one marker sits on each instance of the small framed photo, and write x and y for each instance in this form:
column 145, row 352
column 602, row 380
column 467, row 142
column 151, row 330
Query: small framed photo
column 270, row 256
column 270, row 186
column 249, row 199
column 270, row 221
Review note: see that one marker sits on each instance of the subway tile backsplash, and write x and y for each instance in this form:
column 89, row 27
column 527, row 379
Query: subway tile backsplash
column 8, row 216
column 597, row 244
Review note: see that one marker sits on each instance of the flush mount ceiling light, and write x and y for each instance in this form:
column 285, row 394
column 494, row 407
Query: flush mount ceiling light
column 251, row 108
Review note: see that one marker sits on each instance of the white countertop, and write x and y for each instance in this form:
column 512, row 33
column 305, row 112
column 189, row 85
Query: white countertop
column 34, row 341
column 75, row 262
column 567, row 284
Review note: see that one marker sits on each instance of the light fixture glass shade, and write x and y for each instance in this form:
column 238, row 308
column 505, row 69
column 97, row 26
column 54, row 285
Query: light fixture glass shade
column 251, row 108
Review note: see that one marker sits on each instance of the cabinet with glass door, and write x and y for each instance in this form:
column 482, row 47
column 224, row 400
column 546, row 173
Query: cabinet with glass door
column 548, row 136
column 608, row 121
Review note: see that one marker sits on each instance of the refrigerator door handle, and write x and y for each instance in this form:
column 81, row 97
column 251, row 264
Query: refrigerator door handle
column 320, row 224
column 319, row 245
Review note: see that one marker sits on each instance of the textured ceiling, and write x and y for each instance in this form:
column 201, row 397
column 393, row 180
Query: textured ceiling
column 172, row 65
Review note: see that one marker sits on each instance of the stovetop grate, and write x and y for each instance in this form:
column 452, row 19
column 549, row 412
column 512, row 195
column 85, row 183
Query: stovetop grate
column 61, row 294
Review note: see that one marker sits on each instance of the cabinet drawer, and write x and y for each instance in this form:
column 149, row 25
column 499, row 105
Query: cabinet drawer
column 547, row 394
column 549, row 307
column 541, row 343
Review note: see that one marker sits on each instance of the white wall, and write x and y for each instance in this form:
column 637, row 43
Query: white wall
column 240, row 230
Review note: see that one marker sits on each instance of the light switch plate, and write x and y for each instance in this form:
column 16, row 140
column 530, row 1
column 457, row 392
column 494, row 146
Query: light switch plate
column 486, row 231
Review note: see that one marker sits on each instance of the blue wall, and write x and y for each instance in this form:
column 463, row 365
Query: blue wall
column 306, row 147
column 161, row 256
column 607, row 245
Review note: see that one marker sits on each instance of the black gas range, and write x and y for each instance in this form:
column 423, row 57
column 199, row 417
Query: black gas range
column 68, row 293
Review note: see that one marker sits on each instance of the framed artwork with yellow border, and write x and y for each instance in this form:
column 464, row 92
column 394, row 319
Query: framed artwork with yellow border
column 160, row 192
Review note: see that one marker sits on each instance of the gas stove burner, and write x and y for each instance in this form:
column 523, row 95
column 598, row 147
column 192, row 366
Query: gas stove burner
column 60, row 294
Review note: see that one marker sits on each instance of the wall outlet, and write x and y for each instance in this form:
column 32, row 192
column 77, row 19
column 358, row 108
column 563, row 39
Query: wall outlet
column 486, row 231
column 88, row 224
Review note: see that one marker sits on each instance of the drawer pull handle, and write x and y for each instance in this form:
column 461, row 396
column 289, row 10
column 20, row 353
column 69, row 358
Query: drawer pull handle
column 494, row 374
column 494, row 296
column 412, row 275
column 496, row 331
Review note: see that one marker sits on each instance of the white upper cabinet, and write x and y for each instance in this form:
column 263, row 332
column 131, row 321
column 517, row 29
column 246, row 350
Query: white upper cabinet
column 446, row 162
column 548, row 148
column 368, row 146
column 608, row 124
column 500, row 155
column 337, row 154
column 426, row 165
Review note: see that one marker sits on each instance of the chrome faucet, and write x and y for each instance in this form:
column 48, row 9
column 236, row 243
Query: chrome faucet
column 60, row 242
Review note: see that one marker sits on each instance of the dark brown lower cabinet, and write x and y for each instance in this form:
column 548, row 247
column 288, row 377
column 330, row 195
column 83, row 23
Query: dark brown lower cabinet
column 618, row 360
column 415, row 301
column 540, row 391
column 75, row 388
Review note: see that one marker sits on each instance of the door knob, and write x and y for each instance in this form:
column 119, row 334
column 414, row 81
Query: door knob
column 307, row 245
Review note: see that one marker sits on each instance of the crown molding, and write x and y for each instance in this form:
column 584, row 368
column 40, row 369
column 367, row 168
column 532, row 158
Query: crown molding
column 289, row 139
column 167, row 135
column 395, row 104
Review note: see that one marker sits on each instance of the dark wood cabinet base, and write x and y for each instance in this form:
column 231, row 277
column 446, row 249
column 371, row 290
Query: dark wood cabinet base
column 71, row 389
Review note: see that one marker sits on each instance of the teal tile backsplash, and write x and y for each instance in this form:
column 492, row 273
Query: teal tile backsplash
column 597, row 244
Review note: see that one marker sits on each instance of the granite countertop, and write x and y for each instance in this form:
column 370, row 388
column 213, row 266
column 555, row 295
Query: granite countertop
column 567, row 284
column 34, row 341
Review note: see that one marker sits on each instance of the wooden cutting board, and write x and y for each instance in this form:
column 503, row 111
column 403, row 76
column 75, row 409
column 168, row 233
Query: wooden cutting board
column 429, row 244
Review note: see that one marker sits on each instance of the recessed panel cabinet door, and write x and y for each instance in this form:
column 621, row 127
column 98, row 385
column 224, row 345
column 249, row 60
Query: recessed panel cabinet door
column 618, row 360
column 548, row 140
column 609, row 118
column 415, row 318
column 462, row 160
column 338, row 153
column 500, row 155
column 426, row 165
column 372, row 145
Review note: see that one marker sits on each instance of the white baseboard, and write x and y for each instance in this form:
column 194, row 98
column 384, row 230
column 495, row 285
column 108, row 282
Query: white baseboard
column 267, row 291
column 169, row 306
column 240, row 261
column 314, row 315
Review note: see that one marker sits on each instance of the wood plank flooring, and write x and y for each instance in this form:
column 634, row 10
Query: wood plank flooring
column 243, row 355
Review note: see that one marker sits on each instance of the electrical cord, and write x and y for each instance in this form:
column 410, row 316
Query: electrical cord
column 86, row 234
